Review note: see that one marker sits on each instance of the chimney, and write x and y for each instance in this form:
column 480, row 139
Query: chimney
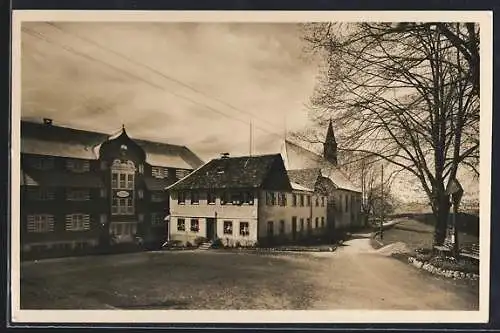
column 224, row 155
column 47, row 121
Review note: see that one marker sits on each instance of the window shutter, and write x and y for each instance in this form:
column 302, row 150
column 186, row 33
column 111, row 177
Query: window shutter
column 86, row 222
column 69, row 222
column 31, row 223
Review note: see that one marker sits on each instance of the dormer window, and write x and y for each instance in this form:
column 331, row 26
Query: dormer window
column 41, row 163
column 78, row 165
column 158, row 172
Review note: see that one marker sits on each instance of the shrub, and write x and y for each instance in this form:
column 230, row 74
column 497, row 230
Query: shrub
column 200, row 240
column 237, row 244
column 188, row 244
column 217, row 244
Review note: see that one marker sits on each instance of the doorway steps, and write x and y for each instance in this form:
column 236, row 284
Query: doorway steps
column 205, row 246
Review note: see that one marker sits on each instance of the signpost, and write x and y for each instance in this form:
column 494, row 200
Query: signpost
column 456, row 191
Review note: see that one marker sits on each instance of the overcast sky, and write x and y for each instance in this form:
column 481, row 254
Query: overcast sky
column 171, row 82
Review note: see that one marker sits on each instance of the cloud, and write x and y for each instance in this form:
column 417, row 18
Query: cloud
column 186, row 83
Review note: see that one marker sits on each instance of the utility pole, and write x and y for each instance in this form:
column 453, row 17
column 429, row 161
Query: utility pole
column 251, row 138
column 382, row 205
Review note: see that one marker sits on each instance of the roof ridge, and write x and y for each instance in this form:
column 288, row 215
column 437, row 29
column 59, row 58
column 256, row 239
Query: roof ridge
column 107, row 135
column 189, row 175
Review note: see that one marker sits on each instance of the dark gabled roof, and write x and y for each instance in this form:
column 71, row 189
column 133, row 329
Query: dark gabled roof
column 157, row 184
column 51, row 140
column 231, row 172
column 305, row 177
column 60, row 179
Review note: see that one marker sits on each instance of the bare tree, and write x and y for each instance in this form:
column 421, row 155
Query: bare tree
column 404, row 93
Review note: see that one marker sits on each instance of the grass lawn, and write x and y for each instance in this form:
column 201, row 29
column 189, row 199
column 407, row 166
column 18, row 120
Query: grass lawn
column 418, row 235
column 167, row 280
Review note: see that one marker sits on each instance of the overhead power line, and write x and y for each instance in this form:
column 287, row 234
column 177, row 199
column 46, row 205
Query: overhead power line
column 134, row 76
column 156, row 71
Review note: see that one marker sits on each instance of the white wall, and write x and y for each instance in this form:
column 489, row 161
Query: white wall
column 277, row 213
column 203, row 210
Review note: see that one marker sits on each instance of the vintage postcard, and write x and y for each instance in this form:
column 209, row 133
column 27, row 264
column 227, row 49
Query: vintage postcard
column 239, row 167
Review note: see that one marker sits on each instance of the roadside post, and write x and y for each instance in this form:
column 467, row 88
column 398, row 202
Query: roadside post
column 456, row 191
column 382, row 201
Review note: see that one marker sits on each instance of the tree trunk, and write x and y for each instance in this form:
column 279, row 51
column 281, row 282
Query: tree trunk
column 441, row 210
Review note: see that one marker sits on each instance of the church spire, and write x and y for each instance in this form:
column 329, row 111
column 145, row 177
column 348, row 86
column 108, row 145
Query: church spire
column 330, row 146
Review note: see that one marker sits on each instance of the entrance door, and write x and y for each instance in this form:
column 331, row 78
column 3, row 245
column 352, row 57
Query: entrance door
column 211, row 229
column 294, row 227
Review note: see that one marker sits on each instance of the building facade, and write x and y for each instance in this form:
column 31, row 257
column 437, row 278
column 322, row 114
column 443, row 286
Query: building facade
column 322, row 173
column 243, row 201
column 82, row 189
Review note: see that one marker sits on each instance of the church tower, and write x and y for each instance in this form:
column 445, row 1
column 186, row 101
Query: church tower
column 330, row 146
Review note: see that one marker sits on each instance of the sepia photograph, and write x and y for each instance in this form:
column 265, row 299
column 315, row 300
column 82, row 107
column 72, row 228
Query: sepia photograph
column 184, row 163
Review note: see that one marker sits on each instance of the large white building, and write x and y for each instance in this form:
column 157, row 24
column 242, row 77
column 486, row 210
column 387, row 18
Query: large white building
column 244, row 201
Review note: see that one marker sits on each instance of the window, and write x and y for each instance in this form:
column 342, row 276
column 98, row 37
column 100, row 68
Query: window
column 195, row 198
column 114, row 206
column 224, row 198
column 181, row 225
column 141, row 169
column 301, row 224
column 103, row 193
column 301, row 200
column 228, row 227
column 77, row 195
column 179, row 174
column 211, row 197
column 181, row 199
column 244, row 229
column 316, row 223
column 236, row 198
column 41, row 163
column 114, row 180
column 77, row 222
column 294, row 200
column 322, row 222
column 282, row 227
column 140, row 193
column 195, row 225
column 157, row 197
column 270, row 228
column 317, row 201
column 248, row 198
column 156, row 219
column 322, row 201
column 309, row 225
column 40, row 194
column 130, row 206
column 282, row 199
column 130, row 181
column 122, row 206
column 158, row 172
column 123, row 183
column 268, row 199
column 308, row 200
column 40, row 223
column 78, row 165
column 273, row 199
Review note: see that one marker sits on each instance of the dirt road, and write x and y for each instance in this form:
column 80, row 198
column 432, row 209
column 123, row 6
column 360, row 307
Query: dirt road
column 357, row 276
